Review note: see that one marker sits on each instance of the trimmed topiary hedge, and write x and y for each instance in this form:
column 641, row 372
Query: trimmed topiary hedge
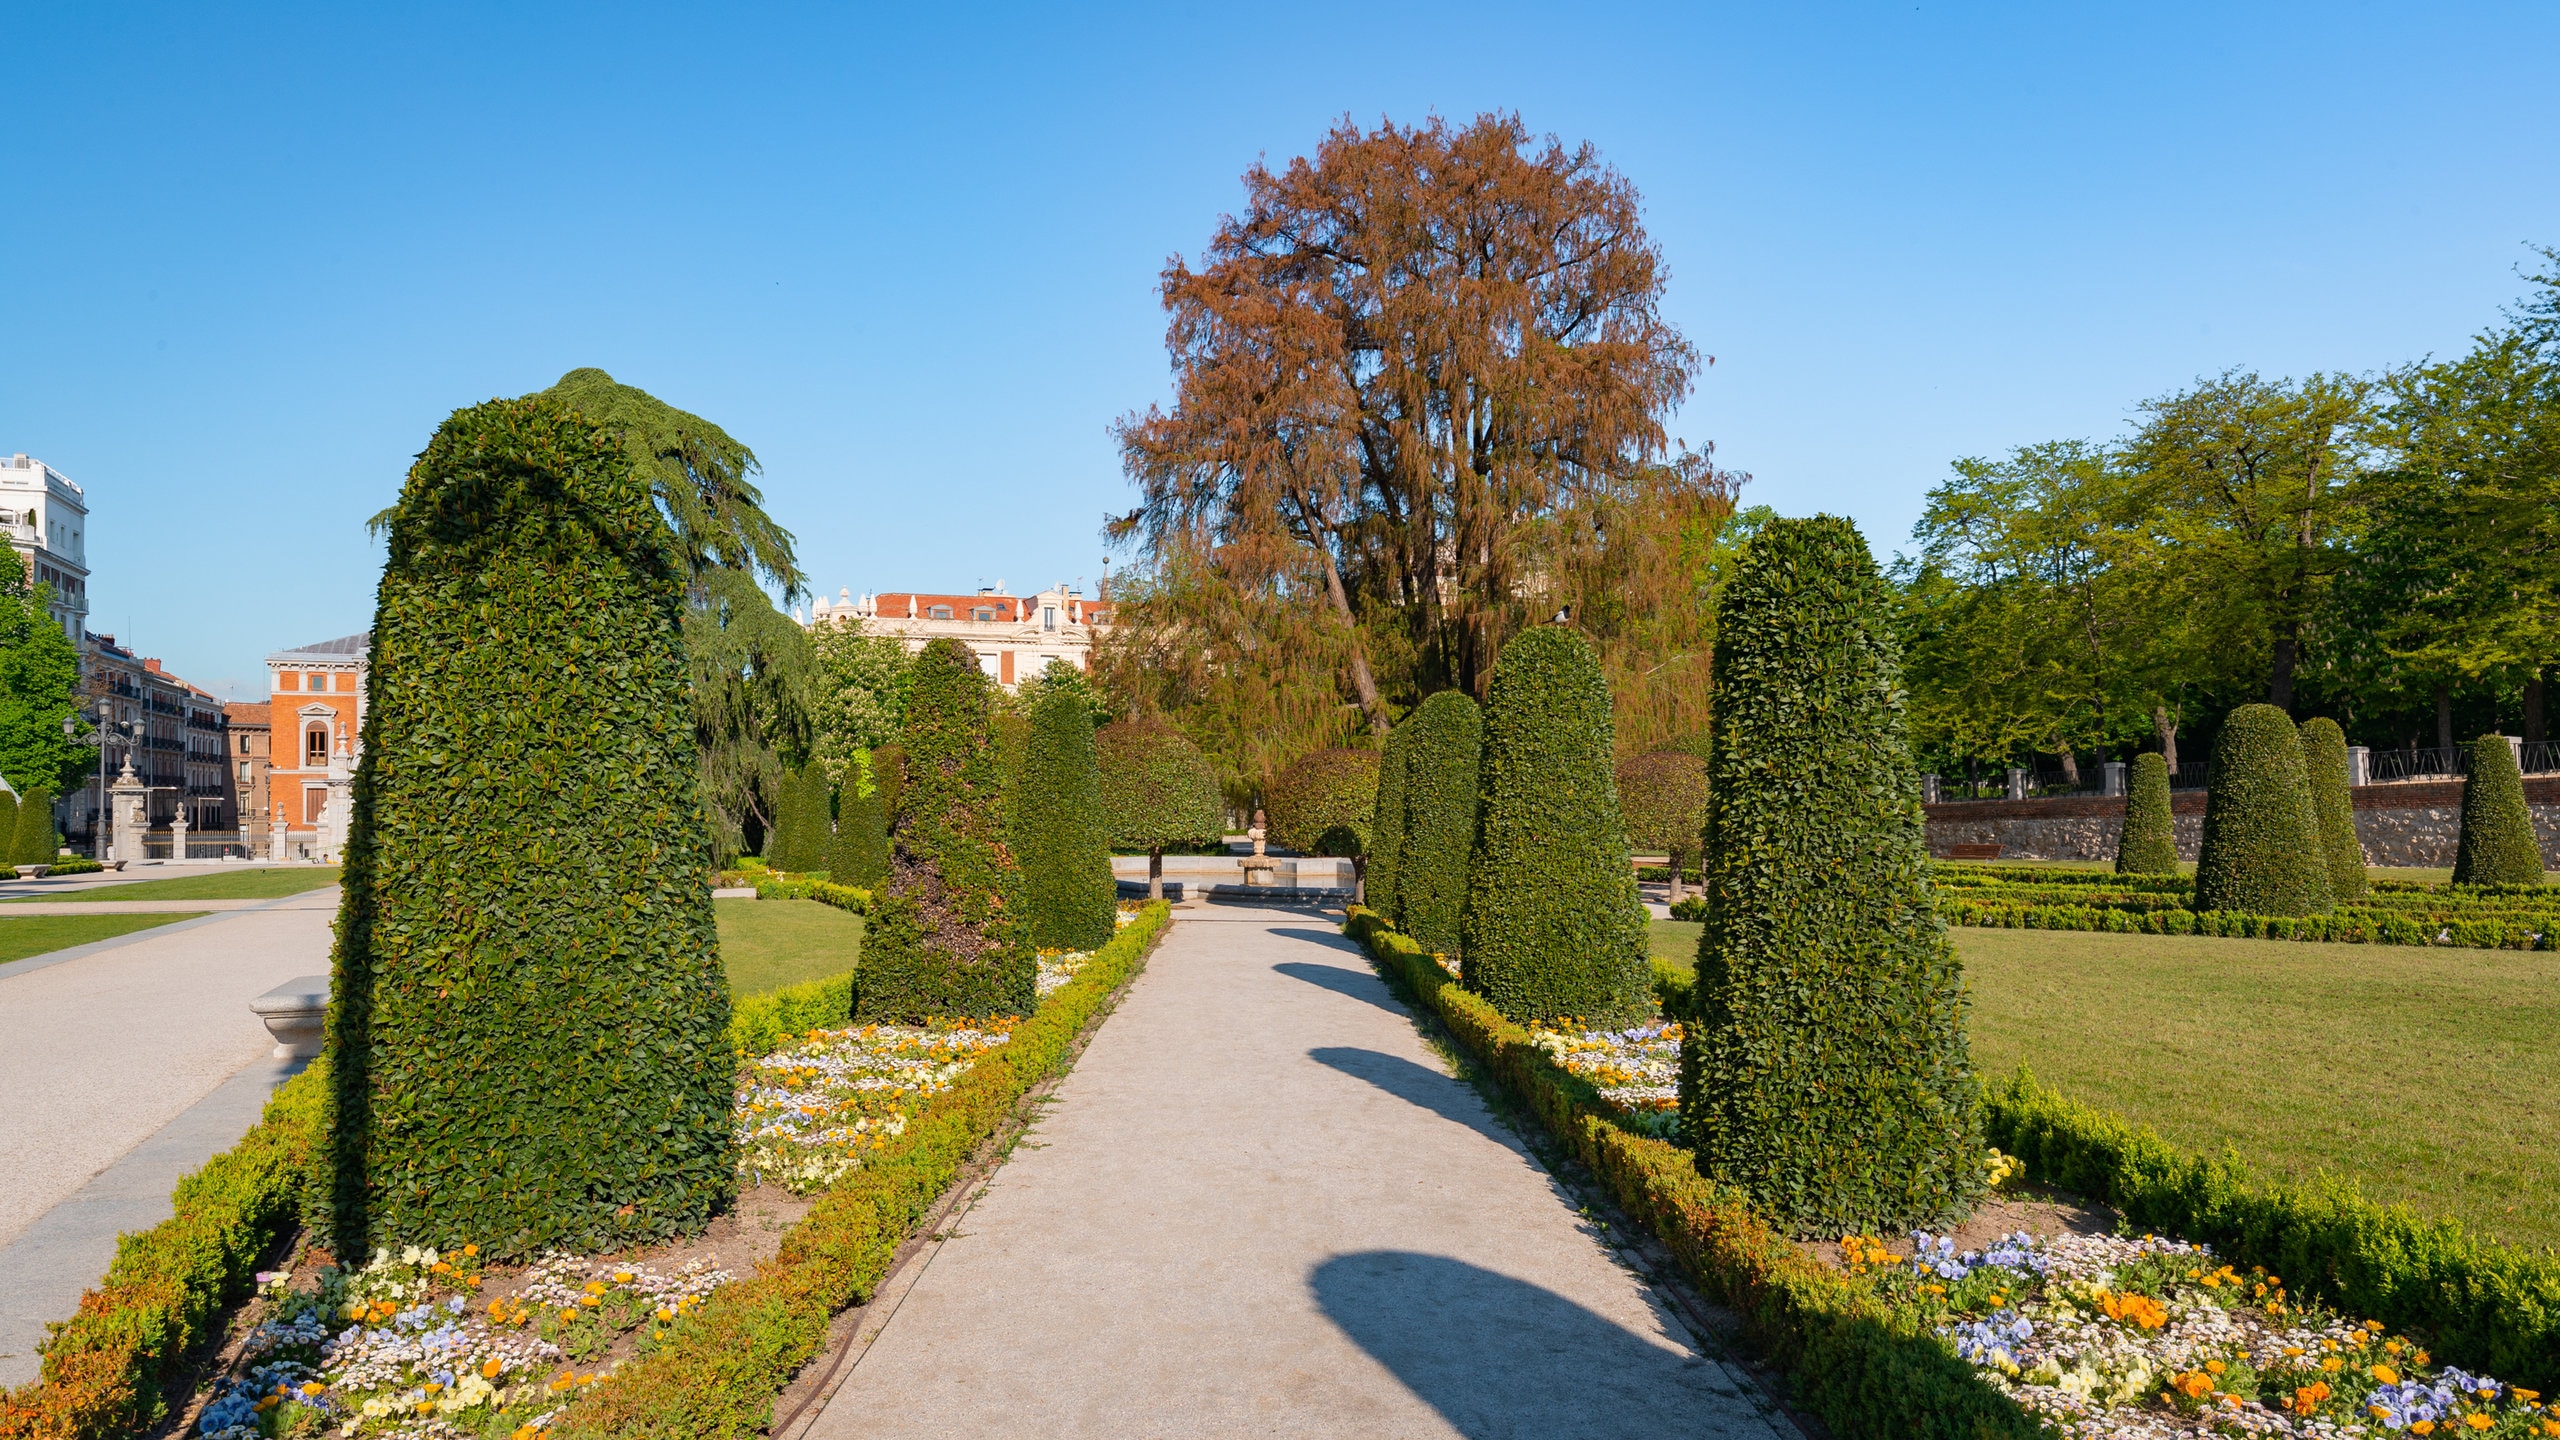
column 801, row 833
column 2261, row 850
column 949, row 933
column 1664, row 797
column 1442, row 783
column 9, row 822
column 2324, row 765
column 1322, row 805
column 858, row 853
column 528, row 1021
column 33, row 840
column 2497, row 845
column 1380, row 883
column 1057, row 827
column 2148, row 844
column 1552, row 926
column 1825, row 1073
column 1157, row 791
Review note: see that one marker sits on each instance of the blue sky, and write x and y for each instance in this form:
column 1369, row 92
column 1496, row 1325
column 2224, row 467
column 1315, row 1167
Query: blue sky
column 252, row 255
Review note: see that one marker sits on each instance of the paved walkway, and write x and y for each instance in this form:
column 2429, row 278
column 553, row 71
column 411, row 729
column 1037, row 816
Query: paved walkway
column 126, row 1064
column 1259, row 1206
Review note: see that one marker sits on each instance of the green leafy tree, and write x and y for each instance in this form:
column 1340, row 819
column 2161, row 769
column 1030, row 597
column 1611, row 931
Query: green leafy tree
column 1552, row 926
column 2497, row 845
column 1825, row 1072
column 35, row 841
column 38, row 669
column 858, row 692
column 949, row 932
column 1442, row 788
column 1380, row 884
column 2324, row 763
column 859, row 853
column 1058, row 830
column 2261, row 851
column 527, row 1034
column 801, row 833
column 1664, row 797
column 1323, row 804
column 2148, row 844
column 1063, row 675
column 1157, row 791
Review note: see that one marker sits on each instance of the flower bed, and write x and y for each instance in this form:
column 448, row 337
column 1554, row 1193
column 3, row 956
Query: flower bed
column 1636, row 1071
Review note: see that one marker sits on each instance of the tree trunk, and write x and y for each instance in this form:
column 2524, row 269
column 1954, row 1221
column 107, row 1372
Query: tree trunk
column 2168, row 738
column 2533, row 732
column 2280, row 680
column 1359, row 879
column 1675, row 877
column 2070, row 764
column 2444, row 723
column 1155, row 872
column 1362, row 683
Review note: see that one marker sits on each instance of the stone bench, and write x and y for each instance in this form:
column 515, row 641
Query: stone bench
column 295, row 1012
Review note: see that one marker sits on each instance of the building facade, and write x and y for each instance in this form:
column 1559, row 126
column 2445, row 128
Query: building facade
column 175, row 733
column 46, row 518
column 1014, row 636
column 249, row 756
column 315, row 721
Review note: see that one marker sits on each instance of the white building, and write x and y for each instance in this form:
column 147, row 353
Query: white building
column 46, row 518
column 1014, row 636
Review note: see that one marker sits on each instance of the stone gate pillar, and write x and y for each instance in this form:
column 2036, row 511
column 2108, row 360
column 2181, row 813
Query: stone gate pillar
column 127, row 805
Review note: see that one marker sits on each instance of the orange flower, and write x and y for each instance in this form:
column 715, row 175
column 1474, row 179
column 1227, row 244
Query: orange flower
column 2195, row 1384
column 2386, row 1375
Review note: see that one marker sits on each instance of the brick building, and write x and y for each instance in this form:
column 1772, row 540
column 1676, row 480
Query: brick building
column 249, row 755
column 176, row 734
column 315, row 714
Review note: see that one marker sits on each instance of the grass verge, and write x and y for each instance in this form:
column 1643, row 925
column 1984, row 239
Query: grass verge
column 25, row 935
column 261, row 884
column 768, row 944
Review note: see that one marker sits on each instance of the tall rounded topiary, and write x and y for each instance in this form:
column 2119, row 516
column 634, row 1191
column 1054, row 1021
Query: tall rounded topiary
column 2497, row 845
column 2261, row 851
column 1664, row 797
column 2324, row 764
column 949, row 933
column 527, row 1033
column 859, row 853
column 1157, row 791
column 800, row 829
column 1057, row 827
column 1378, row 887
column 2148, row 844
column 1322, row 804
column 9, row 808
column 1442, row 782
column 1552, row 926
column 33, row 840
column 1825, row 1072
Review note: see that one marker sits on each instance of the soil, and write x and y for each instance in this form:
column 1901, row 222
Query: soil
column 2042, row 1213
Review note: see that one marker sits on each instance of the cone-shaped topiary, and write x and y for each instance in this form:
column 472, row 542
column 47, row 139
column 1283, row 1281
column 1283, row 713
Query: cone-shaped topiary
column 859, row 854
column 527, row 1032
column 1157, row 791
column 1826, row 1073
column 2497, row 845
column 1386, row 827
column 1664, row 797
column 2261, row 851
column 33, row 840
column 2148, row 844
column 1322, row 805
column 800, row 832
column 949, row 934
column 1552, row 926
column 1443, row 775
column 1057, row 827
column 2324, row 765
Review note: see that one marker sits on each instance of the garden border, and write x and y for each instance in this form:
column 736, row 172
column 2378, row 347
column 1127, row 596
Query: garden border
column 1852, row 1363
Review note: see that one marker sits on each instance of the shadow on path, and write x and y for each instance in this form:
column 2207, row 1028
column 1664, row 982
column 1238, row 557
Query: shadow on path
column 1333, row 940
column 1420, row 1085
column 1358, row 984
column 1501, row 1357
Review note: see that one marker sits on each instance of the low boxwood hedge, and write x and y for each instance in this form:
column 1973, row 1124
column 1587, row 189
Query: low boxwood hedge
column 1866, row 1372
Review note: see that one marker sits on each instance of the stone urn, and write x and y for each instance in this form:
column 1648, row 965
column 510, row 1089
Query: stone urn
column 295, row 1012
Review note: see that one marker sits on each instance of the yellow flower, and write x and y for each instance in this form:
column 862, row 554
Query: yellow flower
column 2386, row 1375
column 2333, row 1364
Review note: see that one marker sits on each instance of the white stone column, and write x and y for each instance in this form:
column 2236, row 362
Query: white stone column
column 2017, row 783
column 338, row 810
column 2359, row 765
column 128, row 799
column 2113, row 783
column 1928, row 796
column 178, row 833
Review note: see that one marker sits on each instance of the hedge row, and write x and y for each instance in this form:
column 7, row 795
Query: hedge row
column 2483, row 1306
column 1866, row 1372
column 2345, row 926
column 115, row 1368
column 716, row 1375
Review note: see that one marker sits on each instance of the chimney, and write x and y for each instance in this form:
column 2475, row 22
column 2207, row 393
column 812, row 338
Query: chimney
column 151, row 665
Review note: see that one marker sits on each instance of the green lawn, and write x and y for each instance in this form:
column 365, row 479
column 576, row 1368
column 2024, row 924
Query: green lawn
column 2429, row 1076
column 42, row 934
column 767, row 944
column 262, row 884
column 1676, row 943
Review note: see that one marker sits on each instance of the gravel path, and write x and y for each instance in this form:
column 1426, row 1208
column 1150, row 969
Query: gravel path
column 1260, row 1206
column 106, row 1053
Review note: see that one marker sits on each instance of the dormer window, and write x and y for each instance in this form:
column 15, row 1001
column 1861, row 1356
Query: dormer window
column 1048, row 617
column 938, row 612
column 983, row 614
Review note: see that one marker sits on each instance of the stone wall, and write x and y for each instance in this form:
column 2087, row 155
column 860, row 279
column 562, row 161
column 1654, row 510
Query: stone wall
column 2403, row 824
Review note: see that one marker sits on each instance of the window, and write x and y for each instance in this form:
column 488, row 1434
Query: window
column 244, row 744
column 312, row 800
column 317, row 680
column 1048, row 617
column 315, row 746
column 988, row 662
column 938, row 612
column 983, row 613
column 244, row 772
